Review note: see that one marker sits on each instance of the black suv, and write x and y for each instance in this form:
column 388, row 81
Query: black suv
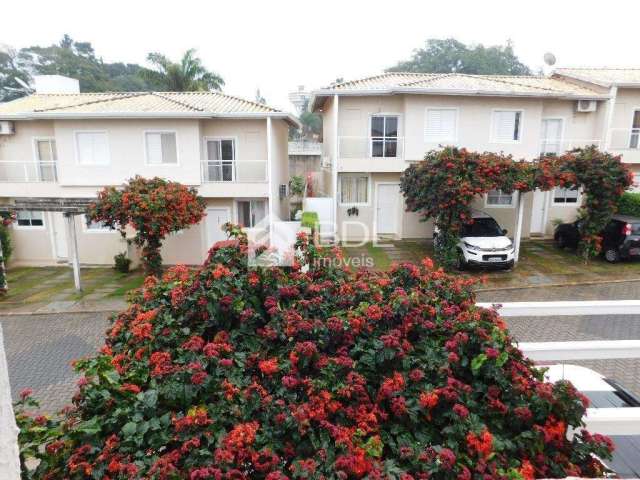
column 620, row 238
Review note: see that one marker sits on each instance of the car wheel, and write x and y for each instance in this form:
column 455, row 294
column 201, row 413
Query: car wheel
column 612, row 255
column 461, row 263
column 561, row 242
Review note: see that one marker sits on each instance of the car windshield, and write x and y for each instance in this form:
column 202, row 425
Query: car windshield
column 482, row 227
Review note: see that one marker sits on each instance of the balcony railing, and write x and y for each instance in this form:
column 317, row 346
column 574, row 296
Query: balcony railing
column 24, row 172
column 239, row 171
column 305, row 147
column 558, row 147
column 371, row 147
column 625, row 139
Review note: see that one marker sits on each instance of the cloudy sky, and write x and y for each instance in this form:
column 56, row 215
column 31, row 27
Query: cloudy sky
column 278, row 44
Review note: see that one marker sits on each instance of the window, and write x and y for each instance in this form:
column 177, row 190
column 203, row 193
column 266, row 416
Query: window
column 220, row 160
column 551, row 136
column 565, row 195
column 251, row 212
column 97, row 227
column 499, row 198
column 92, row 148
column 354, row 189
column 46, row 157
column 161, row 148
column 384, row 136
column 506, row 126
column 635, row 130
column 30, row 219
column 441, row 125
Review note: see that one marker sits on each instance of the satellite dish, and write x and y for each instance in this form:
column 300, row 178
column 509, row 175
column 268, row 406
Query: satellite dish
column 549, row 59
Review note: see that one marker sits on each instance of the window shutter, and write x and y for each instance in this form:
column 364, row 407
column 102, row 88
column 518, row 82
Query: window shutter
column 440, row 125
column 154, row 148
column 504, row 125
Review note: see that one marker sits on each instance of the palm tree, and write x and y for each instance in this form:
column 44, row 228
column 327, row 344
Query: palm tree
column 187, row 76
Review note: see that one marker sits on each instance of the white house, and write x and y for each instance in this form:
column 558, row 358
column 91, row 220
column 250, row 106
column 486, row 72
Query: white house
column 60, row 143
column 376, row 126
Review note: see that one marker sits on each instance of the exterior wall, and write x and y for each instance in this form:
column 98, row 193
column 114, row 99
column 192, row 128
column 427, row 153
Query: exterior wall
column 627, row 101
column 279, row 168
column 328, row 143
column 20, row 146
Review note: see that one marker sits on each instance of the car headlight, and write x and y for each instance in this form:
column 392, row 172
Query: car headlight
column 510, row 245
column 471, row 247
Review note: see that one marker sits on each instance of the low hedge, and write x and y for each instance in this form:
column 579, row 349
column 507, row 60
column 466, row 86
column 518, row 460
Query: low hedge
column 629, row 204
column 321, row 373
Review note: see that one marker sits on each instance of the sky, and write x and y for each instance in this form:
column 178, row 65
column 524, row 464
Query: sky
column 277, row 45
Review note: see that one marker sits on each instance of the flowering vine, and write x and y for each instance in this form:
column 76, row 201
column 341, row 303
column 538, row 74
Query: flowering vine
column 153, row 208
column 318, row 373
column 444, row 185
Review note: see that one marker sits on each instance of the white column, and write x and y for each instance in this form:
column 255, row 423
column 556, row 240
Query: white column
column 608, row 120
column 72, row 246
column 518, row 234
column 9, row 453
column 334, row 163
column 270, row 172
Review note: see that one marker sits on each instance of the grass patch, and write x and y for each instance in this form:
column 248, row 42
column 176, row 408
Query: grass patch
column 380, row 258
column 132, row 282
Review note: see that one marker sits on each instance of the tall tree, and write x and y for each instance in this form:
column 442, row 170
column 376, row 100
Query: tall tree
column 13, row 75
column 452, row 56
column 188, row 75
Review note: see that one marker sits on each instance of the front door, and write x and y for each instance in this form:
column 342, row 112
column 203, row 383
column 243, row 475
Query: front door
column 59, row 232
column 538, row 211
column 387, row 203
column 216, row 218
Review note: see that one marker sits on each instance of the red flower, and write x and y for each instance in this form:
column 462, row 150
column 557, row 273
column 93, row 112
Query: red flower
column 269, row 367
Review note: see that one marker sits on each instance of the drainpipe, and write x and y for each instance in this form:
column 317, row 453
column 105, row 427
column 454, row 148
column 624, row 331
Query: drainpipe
column 270, row 174
column 334, row 165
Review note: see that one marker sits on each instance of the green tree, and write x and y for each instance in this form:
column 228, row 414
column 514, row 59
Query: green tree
column 188, row 75
column 452, row 56
column 13, row 76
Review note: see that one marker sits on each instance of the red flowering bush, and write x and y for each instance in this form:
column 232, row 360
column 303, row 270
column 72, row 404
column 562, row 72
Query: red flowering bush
column 153, row 207
column 444, row 185
column 232, row 373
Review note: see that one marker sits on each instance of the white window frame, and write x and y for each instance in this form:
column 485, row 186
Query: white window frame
column 32, row 227
column 355, row 175
column 54, row 155
column 492, row 139
column 577, row 203
column 513, row 203
column 631, row 134
column 94, row 231
column 77, row 149
column 397, row 137
column 563, row 122
column 454, row 138
column 234, row 162
column 146, row 153
column 237, row 208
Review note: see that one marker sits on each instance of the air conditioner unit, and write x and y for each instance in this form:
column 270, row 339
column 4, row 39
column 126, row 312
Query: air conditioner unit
column 586, row 106
column 7, row 127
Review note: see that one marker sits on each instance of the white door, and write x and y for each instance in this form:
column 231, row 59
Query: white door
column 538, row 211
column 216, row 218
column 551, row 136
column 387, row 203
column 59, row 232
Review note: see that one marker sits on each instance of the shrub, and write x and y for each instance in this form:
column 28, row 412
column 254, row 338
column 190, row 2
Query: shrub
column 629, row 204
column 122, row 263
column 154, row 208
column 310, row 220
column 296, row 185
column 230, row 373
column 7, row 248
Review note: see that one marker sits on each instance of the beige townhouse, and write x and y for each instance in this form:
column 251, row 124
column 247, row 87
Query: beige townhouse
column 70, row 145
column 375, row 127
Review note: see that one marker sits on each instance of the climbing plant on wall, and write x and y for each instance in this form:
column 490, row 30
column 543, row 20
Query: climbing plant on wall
column 443, row 186
column 5, row 242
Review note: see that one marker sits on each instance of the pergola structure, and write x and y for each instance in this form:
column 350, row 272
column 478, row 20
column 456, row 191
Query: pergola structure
column 69, row 207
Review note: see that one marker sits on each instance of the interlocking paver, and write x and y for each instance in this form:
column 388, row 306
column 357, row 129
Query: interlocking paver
column 40, row 349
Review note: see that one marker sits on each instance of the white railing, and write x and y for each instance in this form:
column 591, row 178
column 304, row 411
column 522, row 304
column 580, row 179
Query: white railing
column 624, row 139
column 240, row 171
column 305, row 147
column 371, row 147
column 14, row 171
column 558, row 147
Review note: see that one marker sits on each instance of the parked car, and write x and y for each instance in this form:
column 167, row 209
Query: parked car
column 603, row 392
column 620, row 238
column 484, row 243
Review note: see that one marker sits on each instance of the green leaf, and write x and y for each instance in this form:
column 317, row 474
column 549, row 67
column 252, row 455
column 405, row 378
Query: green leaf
column 90, row 427
column 502, row 359
column 477, row 362
column 129, row 429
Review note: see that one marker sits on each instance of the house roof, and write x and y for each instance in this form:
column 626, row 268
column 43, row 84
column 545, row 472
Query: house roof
column 458, row 84
column 603, row 76
column 138, row 105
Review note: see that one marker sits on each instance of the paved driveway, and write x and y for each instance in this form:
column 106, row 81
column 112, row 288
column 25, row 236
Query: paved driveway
column 40, row 349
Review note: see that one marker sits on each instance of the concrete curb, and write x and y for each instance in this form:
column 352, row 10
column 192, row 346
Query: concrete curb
column 545, row 285
column 58, row 312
